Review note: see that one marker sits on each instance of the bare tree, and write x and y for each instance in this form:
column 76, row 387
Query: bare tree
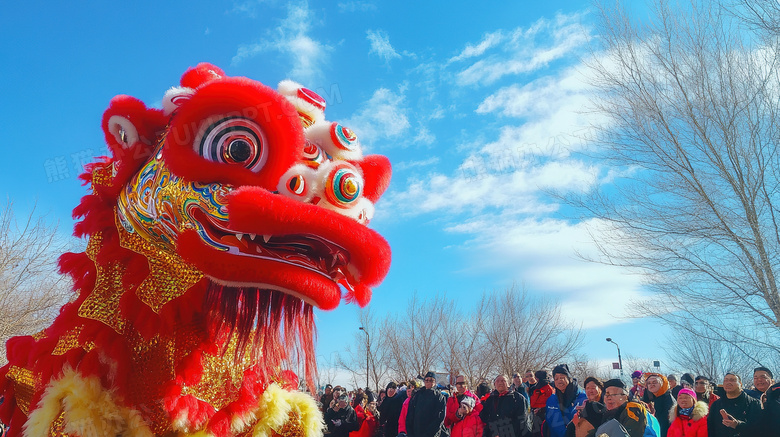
column 31, row 292
column 525, row 333
column 367, row 353
column 693, row 103
column 713, row 358
column 413, row 338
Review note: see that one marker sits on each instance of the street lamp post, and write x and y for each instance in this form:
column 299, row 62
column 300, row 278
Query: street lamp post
column 620, row 360
column 368, row 351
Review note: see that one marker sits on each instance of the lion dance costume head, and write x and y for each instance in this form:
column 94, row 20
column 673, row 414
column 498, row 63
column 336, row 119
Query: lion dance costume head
column 214, row 228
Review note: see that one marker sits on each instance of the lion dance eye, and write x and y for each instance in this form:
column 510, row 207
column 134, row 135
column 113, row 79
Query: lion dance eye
column 234, row 140
column 343, row 186
column 313, row 156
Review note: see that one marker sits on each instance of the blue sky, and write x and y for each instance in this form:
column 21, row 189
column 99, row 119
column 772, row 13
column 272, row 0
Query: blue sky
column 480, row 110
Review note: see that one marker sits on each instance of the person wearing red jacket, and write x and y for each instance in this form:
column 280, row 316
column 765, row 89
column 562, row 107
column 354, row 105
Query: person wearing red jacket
column 689, row 417
column 539, row 390
column 454, row 414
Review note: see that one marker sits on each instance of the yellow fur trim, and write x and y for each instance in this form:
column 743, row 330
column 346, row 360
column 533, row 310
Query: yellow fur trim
column 87, row 408
column 275, row 408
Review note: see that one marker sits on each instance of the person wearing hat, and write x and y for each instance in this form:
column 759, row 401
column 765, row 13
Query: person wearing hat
column 562, row 404
column 452, row 417
column 468, row 423
column 540, row 391
column 659, row 398
column 686, row 381
column 505, row 411
column 689, row 417
column 425, row 415
column 341, row 418
column 619, row 415
column 637, row 390
column 390, row 409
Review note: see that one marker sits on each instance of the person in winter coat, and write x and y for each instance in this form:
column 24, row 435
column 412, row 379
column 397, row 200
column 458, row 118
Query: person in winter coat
column 411, row 390
column 618, row 410
column 703, row 389
column 770, row 418
column 390, row 409
column 539, row 391
column 505, row 412
column 659, row 397
column 689, row 418
column 369, row 423
column 425, row 415
column 638, row 388
column 735, row 413
column 341, row 418
column 453, row 415
column 469, row 424
column 562, row 404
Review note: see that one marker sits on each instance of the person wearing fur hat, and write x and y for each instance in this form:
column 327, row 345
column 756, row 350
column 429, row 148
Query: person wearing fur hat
column 562, row 404
column 689, row 418
column 659, row 398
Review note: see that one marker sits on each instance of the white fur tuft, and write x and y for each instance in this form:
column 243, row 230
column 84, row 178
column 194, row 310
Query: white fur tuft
column 174, row 97
column 117, row 125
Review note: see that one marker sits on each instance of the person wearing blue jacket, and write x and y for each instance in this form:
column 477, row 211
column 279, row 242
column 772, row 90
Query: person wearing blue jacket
column 561, row 406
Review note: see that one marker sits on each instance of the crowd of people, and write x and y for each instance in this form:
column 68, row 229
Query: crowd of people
column 543, row 404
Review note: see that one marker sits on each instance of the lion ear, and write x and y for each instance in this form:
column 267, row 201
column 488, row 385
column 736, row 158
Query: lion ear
column 174, row 97
column 131, row 130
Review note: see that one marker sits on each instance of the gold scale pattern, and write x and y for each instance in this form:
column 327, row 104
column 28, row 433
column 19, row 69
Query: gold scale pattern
column 103, row 303
column 25, row 385
column 169, row 275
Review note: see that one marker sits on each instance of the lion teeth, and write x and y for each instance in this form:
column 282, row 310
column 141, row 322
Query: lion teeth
column 266, row 237
column 252, row 236
column 239, row 236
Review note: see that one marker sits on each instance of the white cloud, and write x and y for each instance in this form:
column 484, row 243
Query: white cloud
column 489, row 41
column 291, row 38
column 380, row 45
column 356, row 6
column 523, row 51
column 382, row 117
column 406, row 165
column 543, row 252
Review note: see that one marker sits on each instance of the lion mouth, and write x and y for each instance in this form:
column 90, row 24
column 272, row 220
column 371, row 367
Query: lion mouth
column 309, row 252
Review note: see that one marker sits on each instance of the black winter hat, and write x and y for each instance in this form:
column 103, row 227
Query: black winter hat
column 614, row 383
column 541, row 375
column 391, row 384
column 687, row 378
column 562, row 368
column 430, row 375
